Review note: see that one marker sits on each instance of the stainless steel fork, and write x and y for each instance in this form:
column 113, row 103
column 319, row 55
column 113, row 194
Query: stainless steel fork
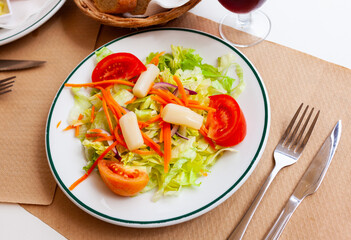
column 6, row 84
column 286, row 153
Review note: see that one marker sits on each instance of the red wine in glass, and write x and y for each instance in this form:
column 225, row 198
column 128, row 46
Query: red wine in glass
column 244, row 19
column 241, row 6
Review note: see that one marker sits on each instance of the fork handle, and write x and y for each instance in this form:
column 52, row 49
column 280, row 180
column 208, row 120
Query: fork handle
column 283, row 218
column 240, row 229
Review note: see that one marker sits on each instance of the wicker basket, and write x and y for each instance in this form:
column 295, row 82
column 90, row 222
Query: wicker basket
column 88, row 8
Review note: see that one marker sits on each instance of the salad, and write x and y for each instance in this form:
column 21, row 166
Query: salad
column 160, row 124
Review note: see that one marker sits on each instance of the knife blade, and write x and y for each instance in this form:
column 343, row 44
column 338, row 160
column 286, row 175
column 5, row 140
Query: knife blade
column 309, row 182
column 10, row 65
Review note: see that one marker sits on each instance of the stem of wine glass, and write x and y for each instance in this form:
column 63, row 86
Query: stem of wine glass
column 244, row 20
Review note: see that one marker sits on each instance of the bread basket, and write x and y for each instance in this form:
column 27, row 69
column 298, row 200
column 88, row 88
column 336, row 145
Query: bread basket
column 88, row 8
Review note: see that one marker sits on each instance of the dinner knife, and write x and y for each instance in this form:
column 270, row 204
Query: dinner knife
column 10, row 65
column 309, row 182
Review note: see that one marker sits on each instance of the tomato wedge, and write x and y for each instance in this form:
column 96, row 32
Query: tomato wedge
column 118, row 66
column 122, row 180
column 227, row 125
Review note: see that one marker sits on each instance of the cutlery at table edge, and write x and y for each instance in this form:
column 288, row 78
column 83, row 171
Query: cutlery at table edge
column 286, row 153
column 12, row 65
column 309, row 182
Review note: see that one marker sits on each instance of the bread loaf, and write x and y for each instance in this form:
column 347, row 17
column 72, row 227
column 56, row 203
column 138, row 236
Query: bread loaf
column 140, row 7
column 115, row 6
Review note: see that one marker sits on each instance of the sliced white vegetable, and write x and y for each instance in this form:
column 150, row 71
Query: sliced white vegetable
column 130, row 130
column 180, row 115
column 142, row 86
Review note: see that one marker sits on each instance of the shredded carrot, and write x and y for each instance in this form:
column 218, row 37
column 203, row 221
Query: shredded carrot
column 153, row 119
column 85, row 176
column 131, row 100
column 155, row 60
column 159, row 99
column 193, row 101
column 112, row 104
column 102, row 139
column 92, row 114
column 91, row 135
column 141, row 152
column 58, row 124
column 119, row 138
column 95, row 130
column 181, row 89
column 167, row 145
column 175, row 98
column 203, row 173
column 101, row 83
column 77, row 131
column 201, row 107
column 104, row 106
column 149, row 142
column 80, row 117
column 69, row 127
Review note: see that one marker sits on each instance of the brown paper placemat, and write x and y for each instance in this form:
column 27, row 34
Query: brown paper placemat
column 291, row 77
column 63, row 42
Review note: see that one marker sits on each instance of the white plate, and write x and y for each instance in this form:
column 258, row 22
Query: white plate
column 66, row 158
column 35, row 21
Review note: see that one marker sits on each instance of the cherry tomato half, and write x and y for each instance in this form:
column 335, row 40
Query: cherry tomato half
column 118, row 66
column 227, row 125
column 122, row 180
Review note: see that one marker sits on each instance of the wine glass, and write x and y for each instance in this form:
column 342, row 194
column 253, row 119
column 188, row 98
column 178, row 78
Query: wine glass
column 253, row 26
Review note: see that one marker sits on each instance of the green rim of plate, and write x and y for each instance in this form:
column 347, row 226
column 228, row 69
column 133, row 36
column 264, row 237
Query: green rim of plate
column 197, row 211
column 39, row 20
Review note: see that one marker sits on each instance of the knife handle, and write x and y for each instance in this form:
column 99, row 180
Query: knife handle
column 283, row 218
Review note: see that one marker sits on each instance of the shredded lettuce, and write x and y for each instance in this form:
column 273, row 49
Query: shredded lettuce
column 102, row 53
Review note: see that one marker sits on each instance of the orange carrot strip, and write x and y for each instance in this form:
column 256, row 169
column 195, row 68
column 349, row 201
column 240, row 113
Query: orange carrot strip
column 90, row 135
column 181, row 89
column 95, row 130
column 101, row 139
column 153, row 119
column 104, row 106
column 119, row 138
column 76, row 131
column 201, row 107
column 58, row 124
column 140, row 152
column 80, row 117
column 101, row 83
column 155, row 60
column 113, row 108
column 131, row 100
column 81, row 179
column 148, row 141
column 167, row 145
column 92, row 117
column 193, row 101
column 159, row 99
column 69, row 127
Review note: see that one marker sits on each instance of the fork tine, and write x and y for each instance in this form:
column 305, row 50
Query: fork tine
column 5, row 92
column 289, row 141
column 5, row 87
column 307, row 137
column 7, row 79
column 297, row 140
column 5, row 84
column 288, row 129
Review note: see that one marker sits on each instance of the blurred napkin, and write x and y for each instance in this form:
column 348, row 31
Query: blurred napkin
column 21, row 11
